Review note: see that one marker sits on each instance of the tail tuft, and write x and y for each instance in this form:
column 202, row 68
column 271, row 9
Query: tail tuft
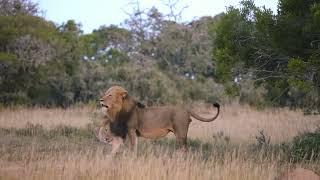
column 217, row 105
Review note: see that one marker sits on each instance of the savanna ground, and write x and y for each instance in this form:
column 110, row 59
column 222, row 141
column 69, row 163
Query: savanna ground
column 39, row 143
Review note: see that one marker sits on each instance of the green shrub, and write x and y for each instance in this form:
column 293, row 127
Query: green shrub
column 146, row 84
column 305, row 147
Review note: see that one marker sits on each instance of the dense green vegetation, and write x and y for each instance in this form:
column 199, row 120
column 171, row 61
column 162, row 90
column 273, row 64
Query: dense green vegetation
column 248, row 54
column 305, row 146
column 276, row 52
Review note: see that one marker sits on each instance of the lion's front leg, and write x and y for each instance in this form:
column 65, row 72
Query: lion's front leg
column 133, row 140
column 116, row 144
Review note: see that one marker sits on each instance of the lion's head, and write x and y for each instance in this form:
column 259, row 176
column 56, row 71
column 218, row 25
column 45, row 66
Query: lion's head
column 115, row 101
column 104, row 134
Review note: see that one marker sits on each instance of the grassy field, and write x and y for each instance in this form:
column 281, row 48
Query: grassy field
column 41, row 143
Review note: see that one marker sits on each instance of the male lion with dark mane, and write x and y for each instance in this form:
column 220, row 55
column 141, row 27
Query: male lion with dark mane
column 126, row 116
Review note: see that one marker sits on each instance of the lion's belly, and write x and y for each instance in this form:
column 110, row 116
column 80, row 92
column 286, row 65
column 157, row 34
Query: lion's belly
column 154, row 133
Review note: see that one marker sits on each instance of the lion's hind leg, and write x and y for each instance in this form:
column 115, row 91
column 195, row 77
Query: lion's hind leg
column 181, row 133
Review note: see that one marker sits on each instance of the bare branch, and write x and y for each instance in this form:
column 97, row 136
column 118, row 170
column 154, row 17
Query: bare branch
column 268, row 77
column 172, row 5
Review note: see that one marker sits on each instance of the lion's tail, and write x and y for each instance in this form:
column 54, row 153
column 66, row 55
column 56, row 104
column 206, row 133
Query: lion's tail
column 196, row 116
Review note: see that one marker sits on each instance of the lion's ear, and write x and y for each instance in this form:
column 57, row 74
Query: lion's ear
column 124, row 94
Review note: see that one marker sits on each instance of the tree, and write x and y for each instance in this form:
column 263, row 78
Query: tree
column 278, row 52
column 18, row 7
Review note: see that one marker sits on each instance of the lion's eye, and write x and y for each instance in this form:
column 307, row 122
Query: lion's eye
column 109, row 95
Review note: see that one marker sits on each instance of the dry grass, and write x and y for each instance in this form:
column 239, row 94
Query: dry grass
column 51, row 154
column 96, row 165
column 18, row 117
column 240, row 123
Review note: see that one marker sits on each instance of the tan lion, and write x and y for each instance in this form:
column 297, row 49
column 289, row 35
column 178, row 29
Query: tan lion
column 106, row 136
column 126, row 116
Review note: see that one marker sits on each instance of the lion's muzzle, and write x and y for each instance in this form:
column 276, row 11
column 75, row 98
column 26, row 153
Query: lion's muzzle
column 102, row 104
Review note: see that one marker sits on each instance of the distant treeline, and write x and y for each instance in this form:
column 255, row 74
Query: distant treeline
column 248, row 54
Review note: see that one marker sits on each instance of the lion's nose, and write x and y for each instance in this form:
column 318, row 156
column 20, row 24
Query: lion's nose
column 103, row 105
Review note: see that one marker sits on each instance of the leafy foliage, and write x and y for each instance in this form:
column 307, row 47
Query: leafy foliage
column 276, row 52
column 248, row 53
column 306, row 147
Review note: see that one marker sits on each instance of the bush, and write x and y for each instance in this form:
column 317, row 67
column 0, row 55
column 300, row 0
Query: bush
column 207, row 90
column 305, row 147
column 146, row 84
column 153, row 86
